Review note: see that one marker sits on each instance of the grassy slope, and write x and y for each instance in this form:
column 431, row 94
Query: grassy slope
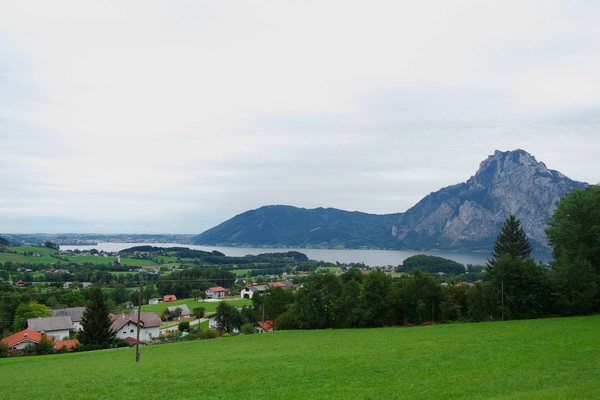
column 537, row 359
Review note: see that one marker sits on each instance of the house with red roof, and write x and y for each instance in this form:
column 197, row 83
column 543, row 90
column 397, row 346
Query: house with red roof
column 169, row 297
column 22, row 339
column 216, row 292
column 67, row 344
column 265, row 326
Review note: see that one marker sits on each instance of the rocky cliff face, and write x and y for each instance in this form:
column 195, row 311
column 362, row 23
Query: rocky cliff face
column 469, row 215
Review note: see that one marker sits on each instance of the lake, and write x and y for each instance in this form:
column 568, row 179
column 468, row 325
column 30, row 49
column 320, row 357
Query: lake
column 372, row 258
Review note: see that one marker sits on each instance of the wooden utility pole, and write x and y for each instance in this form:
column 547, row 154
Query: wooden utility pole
column 137, row 341
column 502, row 299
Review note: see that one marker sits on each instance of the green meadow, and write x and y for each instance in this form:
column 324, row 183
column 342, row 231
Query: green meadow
column 209, row 306
column 533, row 359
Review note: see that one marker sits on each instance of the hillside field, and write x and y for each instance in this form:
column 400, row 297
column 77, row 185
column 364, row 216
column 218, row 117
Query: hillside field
column 533, row 359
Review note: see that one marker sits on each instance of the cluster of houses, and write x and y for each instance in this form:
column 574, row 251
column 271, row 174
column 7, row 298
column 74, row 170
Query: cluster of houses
column 59, row 326
column 63, row 322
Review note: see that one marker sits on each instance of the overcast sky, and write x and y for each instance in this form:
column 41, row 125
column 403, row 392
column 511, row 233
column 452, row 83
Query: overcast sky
column 174, row 116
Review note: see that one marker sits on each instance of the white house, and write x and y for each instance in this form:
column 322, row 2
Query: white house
column 249, row 291
column 157, row 300
column 216, row 292
column 125, row 325
column 57, row 327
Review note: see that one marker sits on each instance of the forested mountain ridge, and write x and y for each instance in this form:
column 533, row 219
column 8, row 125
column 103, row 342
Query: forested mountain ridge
column 465, row 216
column 287, row 226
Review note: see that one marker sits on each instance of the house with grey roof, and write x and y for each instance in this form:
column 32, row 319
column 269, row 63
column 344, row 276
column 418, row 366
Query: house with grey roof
column 250, row 290
column 57, row 327
column 125, row 325
column 75, row 313
column 185, row 311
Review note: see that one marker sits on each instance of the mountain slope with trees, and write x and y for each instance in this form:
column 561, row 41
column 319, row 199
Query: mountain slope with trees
column 287, row 226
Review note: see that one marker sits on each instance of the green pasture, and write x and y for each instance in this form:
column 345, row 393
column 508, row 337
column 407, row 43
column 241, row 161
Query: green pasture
column 20, row 257
column 241, row 271
column 534, row 359
column 209, row 307
column 90, row 259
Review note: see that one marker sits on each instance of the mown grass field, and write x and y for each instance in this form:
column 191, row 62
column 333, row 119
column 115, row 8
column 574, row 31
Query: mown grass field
column 536, row 359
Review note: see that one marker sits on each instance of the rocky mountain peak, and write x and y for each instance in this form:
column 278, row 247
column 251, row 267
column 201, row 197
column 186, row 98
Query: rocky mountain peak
column 512, row 166
column 470, row 214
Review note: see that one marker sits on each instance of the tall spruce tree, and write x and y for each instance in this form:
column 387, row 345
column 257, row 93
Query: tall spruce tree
column 96, row 322
column 515, row 285
column 511, row 243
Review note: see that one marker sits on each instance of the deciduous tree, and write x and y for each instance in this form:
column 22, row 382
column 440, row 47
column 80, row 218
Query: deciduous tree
column 228, row 318
column 28, row 310
column 574, row 234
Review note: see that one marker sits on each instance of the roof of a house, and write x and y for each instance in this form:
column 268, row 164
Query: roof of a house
column 50, row 324
column 257, row 288
column 131, row 341
column 25, row 334
column 184, row 309
column 217, row 289
column 147, row 320
column 69, row 344
column 169, row 297
column 76, row 313
column 266, row 325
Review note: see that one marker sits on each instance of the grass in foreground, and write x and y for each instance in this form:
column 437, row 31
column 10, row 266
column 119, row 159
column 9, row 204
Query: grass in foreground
column 535, row 359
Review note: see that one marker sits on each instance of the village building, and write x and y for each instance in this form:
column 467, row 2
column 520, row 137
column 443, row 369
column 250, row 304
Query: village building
column 56, row 327
column 125, row 325
column 185, row 311
column 250, row 290
column 216, row 292
column 75, row 313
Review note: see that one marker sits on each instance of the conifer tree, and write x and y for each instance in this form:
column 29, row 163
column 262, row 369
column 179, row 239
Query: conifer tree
column 512, row 243
column 96, row 322
column 515, row 283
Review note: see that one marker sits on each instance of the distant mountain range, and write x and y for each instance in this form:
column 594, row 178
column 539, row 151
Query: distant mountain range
column 466, row 216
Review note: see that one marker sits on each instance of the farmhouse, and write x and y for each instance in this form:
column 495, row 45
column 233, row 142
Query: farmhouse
column 216, row 292
column 125, row 325
column 169, row 297
column 57, row 327
column 249, row 291
column 157, row 300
